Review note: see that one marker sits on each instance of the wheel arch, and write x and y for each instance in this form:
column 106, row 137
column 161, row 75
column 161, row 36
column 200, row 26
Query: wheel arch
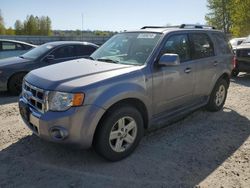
column 134, row 102
column 9, row 79
column 16, row 73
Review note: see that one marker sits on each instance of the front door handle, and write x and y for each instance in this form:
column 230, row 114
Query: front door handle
column 187, row 70
column 215, row 63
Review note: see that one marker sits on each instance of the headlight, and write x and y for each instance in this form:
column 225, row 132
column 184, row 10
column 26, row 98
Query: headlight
column 60, row 101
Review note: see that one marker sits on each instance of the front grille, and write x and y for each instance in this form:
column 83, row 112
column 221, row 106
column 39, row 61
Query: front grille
column 243, row 53
column 35, row 96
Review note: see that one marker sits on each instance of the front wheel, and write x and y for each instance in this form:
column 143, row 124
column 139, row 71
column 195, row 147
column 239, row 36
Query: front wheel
column 15, row 84
column 218, row 96
column 119, row 133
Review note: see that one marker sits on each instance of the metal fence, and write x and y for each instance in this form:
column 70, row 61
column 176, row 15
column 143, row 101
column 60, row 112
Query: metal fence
column 43, row 39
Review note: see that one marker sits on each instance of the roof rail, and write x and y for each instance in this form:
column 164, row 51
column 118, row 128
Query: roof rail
column 156, row 27
column 182, row 26
column 196, row 26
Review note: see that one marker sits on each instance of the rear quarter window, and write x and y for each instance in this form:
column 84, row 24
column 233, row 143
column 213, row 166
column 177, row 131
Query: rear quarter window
column 85, row 50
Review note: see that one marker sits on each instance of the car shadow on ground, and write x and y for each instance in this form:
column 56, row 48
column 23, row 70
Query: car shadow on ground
column 242, row 79
column 6, row 98
column 180, row 155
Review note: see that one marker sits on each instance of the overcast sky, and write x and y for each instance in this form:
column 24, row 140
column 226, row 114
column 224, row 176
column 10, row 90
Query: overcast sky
column 112, row 15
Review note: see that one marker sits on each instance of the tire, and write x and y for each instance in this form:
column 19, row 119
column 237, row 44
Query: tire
column 119, row 133
column 15, row 84
column 218, row 96
column 235, row 72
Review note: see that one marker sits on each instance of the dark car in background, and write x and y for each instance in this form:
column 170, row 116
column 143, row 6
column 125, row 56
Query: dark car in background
column 12, row 48
column 13, row 70
column 242, row 55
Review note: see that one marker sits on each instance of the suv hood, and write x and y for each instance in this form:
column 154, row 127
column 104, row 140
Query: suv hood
column 70, row 75
column 243, row 45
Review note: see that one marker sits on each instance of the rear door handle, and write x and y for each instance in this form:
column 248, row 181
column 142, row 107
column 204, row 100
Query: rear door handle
column 215, row 63
column 187, row 70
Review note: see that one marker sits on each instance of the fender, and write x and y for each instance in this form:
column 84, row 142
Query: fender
column 119, row 92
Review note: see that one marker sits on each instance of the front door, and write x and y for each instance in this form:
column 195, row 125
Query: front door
column 173, row 86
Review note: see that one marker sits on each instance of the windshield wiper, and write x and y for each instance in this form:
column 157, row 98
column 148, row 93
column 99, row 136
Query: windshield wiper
column 21, row 56
column 107, row 60
column 90, row 58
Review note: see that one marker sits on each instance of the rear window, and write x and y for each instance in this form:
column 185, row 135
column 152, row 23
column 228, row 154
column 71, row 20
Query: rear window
column 6, row 46
column 222, row 43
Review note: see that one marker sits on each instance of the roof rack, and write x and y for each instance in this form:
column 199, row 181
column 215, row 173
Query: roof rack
column 182, row 26
column 156, row 27
column 196, row 26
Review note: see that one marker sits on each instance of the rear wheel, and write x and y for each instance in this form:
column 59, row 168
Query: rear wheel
column 119, row 133
column 15, row 84
column 218, row 96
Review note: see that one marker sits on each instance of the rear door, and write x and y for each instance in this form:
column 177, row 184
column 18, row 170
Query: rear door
column 173, row 86
column 204, row 57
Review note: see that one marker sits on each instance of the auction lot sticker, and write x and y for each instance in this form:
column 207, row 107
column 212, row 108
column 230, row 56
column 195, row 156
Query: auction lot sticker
column 146, row 36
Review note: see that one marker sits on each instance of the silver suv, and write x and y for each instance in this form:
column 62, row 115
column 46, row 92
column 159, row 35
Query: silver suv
column 136, row 81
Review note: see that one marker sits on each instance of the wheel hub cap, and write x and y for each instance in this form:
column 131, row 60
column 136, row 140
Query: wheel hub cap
column 123, row 134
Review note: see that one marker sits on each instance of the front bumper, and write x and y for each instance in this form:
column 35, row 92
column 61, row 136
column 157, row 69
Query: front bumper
column 79, row 123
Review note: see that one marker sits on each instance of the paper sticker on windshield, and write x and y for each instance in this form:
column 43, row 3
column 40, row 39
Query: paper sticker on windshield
column 49, row 46
column 146, row 36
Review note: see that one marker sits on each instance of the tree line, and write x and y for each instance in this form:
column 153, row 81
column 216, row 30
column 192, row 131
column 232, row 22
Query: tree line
column 231, row 16
column 33, row 25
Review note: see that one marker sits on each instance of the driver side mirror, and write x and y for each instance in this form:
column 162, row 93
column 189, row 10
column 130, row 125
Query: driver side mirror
column 49, row 58
column 169, row 60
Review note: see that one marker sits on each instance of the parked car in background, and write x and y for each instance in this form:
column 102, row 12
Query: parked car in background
column 135, row 81
column 236, row 42
column 242, row 55
column 12, row 48
column 12, row 70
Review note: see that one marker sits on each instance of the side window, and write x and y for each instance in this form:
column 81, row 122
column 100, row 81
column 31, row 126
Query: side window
column 64, row 52
column 202, row 46
column 27, row 47
column 84, row 50
column 178, row 44
column 221, row 41
column 8, row 46
column 19, row 47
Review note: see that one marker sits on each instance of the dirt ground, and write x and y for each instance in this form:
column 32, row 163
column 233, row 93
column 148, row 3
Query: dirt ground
column 203, row 150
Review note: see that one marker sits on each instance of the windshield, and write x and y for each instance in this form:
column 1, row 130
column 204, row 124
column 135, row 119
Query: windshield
column 247, row 40
column 127, row 48
column 37, row 52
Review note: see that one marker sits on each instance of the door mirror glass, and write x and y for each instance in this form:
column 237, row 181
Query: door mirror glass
column 169, row 60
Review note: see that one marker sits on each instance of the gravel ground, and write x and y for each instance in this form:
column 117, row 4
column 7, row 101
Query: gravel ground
column 203, row 150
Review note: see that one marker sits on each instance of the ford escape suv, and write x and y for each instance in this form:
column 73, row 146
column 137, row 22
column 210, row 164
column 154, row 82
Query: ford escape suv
column 136, row 81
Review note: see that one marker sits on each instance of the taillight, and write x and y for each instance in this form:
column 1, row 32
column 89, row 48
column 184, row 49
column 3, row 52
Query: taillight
column 234, row 62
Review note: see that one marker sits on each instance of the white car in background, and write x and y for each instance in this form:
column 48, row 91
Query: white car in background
column 236, row 42
column 12, row 48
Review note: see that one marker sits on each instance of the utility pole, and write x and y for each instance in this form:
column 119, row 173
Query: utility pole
column 82, row 26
